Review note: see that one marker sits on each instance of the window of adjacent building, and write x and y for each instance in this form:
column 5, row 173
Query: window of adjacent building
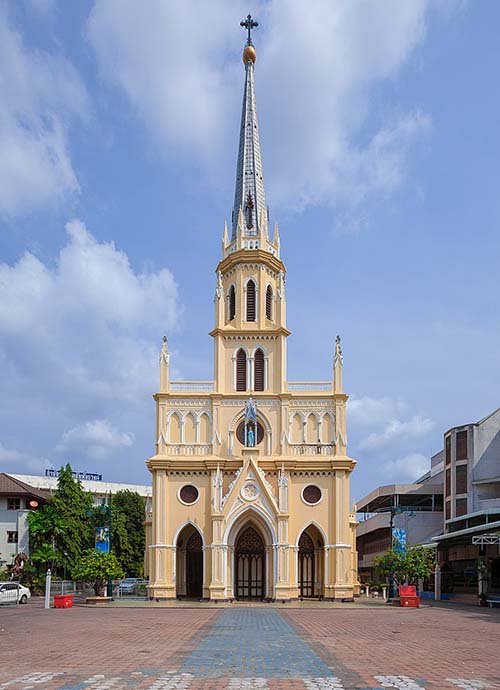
column 447, row 445
column 232, row 303
column 241, row 370
column 447, row 482
column 448, row 510
column 13, row 503
column 460, row 507
column 251, row 311
column 259, row 370
column 461, row 479
column 12, row 537
column 269, row 303
column 461, row 446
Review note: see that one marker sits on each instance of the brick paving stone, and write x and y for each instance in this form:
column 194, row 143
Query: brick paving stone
column 247, row 648
column 427, row 645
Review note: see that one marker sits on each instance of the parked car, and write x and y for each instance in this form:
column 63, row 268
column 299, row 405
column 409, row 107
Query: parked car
column 11, row 592
column 129, row 585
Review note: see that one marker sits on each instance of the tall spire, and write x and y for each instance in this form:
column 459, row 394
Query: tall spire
column 249, row 195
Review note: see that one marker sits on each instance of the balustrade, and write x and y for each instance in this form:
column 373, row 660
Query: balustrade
column 311, row 448
column 189, row 449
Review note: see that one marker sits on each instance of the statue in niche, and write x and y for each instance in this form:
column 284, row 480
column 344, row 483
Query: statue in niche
column 250, row 436
column 250, row 423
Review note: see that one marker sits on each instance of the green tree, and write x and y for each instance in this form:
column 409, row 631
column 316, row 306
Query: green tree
column 46, row 527
column 96, row 568
column 73, row 505
column 128, row 534
column 417, row 562
column 390, row 564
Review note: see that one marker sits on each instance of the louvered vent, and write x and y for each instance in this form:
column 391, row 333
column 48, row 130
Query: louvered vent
column 250, row 301
column 232, row 303
column 259, row 371
column 269, row 303
column 241, row 371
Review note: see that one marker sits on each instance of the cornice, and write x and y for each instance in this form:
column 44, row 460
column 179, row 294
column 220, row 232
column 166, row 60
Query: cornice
column 252, row 333
column 246, row 256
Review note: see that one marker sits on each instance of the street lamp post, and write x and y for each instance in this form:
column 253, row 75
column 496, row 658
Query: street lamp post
column 109, row 587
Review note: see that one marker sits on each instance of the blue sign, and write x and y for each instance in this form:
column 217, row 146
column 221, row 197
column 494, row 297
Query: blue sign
column 93, row 476
column 399, row 540
column 102, row 539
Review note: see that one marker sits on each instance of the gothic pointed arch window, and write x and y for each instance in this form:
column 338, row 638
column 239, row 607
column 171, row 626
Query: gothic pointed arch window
column 232, row 303
column 269, row 303
column 241, row 370
column 259, row 376
column 251, row 301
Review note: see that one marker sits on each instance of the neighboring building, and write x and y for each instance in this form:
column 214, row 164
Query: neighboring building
column 417, row 515
column 17, row 499
column 251, row 475
column 472, row 504
column 100, row 490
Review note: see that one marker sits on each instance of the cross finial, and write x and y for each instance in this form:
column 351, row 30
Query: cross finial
column 249, row 24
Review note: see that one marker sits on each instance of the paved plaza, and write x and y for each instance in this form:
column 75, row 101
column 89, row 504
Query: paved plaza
column 245, row 648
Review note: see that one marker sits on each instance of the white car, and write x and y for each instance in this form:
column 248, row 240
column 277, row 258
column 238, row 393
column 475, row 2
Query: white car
column 11, row 592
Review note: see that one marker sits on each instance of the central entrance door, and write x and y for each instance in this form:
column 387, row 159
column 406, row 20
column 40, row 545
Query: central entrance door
column 306, row 565
column 194, row 565
column 250, row 561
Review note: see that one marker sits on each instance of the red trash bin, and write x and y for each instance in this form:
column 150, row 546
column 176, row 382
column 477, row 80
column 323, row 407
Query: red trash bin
column 408, row 597
column 63, row 601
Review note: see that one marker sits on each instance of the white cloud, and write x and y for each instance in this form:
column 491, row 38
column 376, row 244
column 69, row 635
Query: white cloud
column 41, row 94
column 91, row 324
column 367, row 411
column 16, row 458
column 79, row 346
column 408, row 468
column 396, row 430
column 97, row 438
column 316, row 71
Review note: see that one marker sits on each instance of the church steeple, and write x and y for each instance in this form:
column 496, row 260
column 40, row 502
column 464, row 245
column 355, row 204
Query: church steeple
column 249, row 197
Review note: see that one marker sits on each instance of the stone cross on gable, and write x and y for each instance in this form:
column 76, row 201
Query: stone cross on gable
column 249, row 24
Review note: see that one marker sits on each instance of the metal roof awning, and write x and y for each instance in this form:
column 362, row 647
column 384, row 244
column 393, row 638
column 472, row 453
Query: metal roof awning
column 484, row 539
column 469, row 531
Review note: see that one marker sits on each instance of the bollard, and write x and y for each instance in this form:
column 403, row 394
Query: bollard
column 367, row 591
column 437, row 583
column 384, row 592
column 48, row 580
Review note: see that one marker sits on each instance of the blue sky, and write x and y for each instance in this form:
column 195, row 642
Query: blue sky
column 381, row 146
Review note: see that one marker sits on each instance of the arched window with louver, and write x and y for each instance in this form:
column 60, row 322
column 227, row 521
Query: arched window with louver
column 251, row 306
column 259, row 370
column 241, row 370
column 232, row 303
column 269, row 303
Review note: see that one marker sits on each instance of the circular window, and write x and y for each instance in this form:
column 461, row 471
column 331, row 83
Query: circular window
column 311, row 494
column 240, row 433
column 188, row 494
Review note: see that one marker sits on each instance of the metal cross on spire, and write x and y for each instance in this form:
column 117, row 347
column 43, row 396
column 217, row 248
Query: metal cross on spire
column 249, row 24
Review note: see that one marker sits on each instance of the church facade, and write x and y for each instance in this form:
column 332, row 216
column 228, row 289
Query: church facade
column 251, row 474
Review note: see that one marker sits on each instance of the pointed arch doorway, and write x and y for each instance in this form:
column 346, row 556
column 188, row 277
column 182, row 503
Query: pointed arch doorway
column 249, row 564
column 189, row 563
column 310, row 563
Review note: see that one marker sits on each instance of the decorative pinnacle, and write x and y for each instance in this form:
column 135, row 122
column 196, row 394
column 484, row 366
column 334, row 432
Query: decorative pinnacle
column 338, row 351
column 165, row 340
column 249, row 24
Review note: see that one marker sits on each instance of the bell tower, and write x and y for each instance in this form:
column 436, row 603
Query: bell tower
column 250, row 304
column 250, row 471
